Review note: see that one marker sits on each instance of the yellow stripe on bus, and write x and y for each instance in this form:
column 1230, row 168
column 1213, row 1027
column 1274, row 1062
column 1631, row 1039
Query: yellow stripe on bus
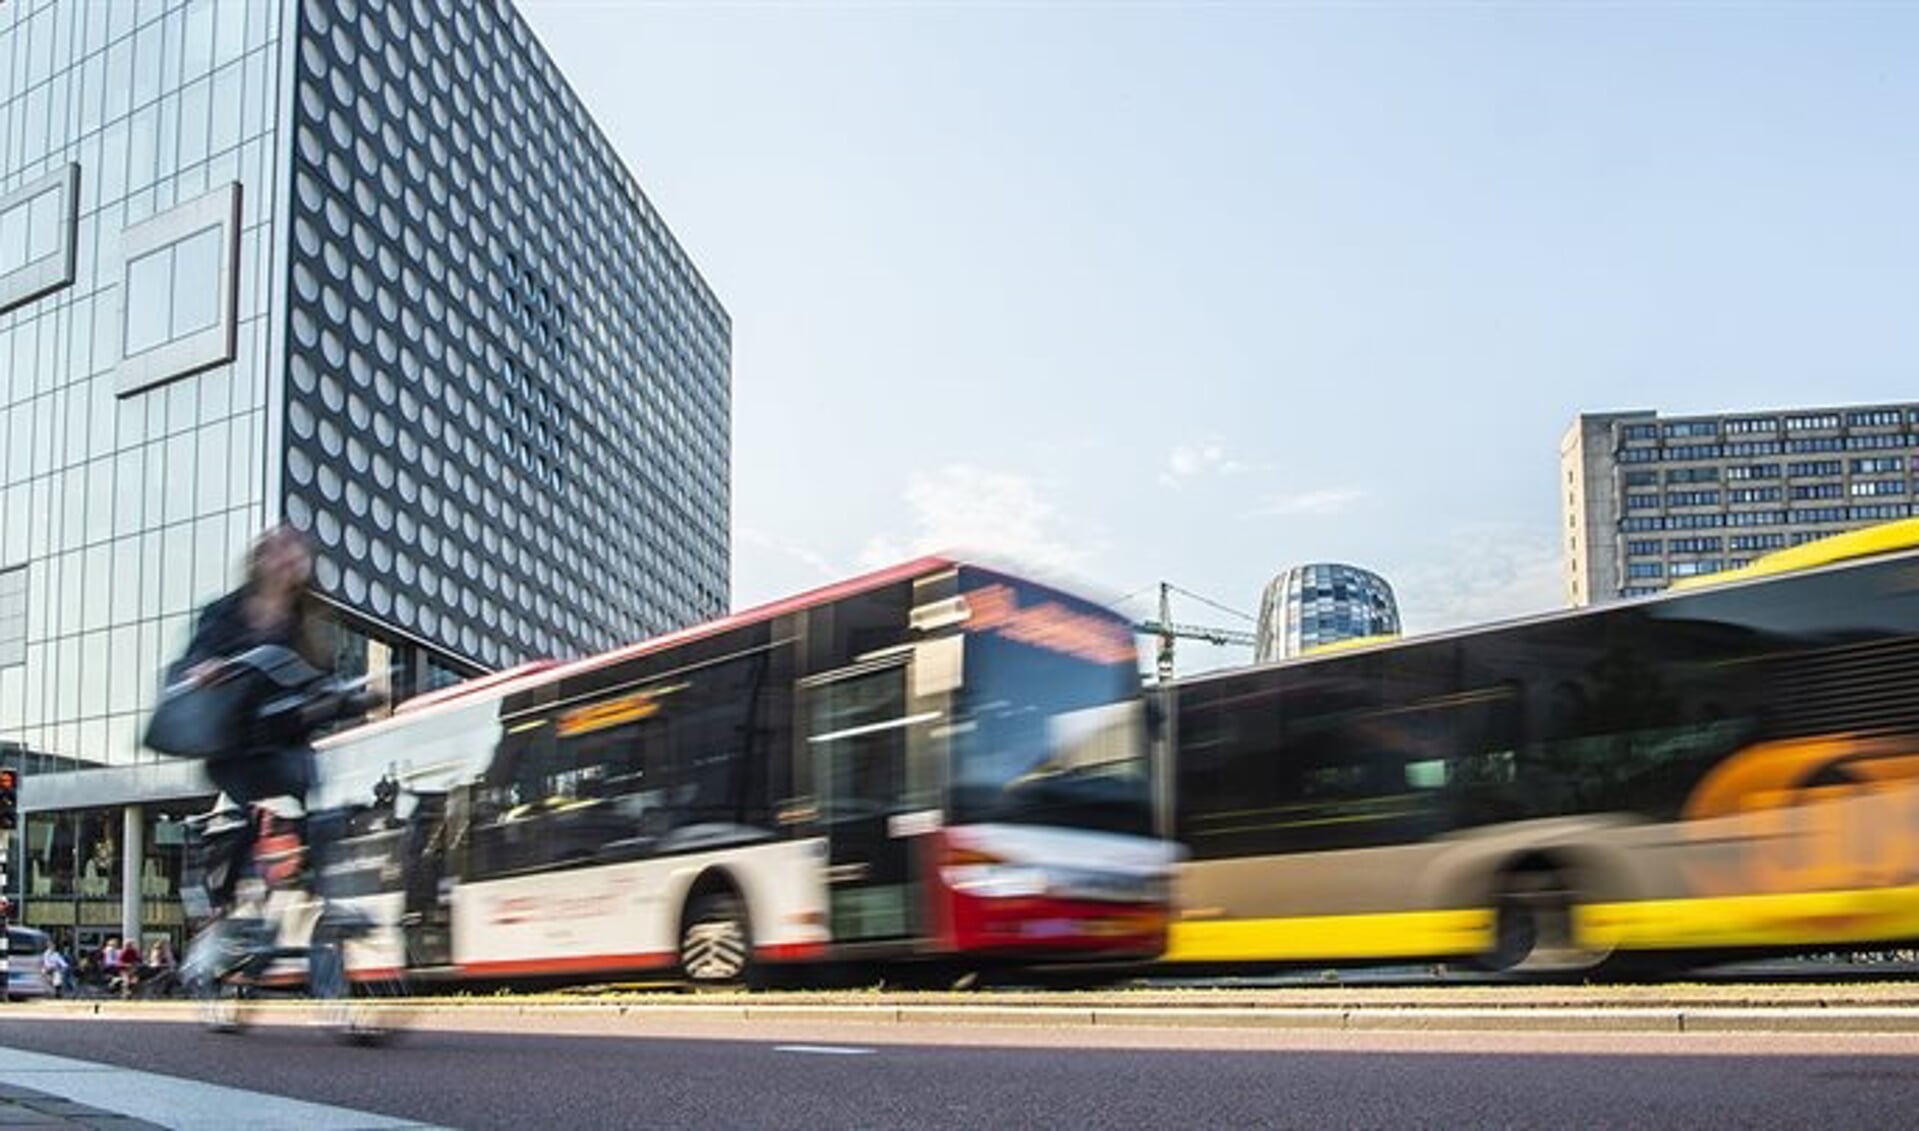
column 1400, row 934
column 1792, row 919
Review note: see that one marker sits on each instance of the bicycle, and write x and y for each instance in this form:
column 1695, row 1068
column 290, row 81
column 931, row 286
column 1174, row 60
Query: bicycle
column 293, row 937
column 250, row 705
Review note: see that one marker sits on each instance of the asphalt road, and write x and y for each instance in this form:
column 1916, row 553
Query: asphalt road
column 830, row 1079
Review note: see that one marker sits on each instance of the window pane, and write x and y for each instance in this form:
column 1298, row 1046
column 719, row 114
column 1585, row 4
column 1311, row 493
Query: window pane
column 44, row 223
column 119, row 79
column 148, row 280
column 145, row 133
column 230, row 38
column 211, row 494
column 196, row 282
column 146, row 65
column 193, row 123
column 224, row 133
column 112, row 176
column 13, row 617
column 126, row 590
column 13, row 239
column 199, row 39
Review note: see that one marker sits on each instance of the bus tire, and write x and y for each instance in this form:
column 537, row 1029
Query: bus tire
column 1533, row 923
column 716, row 943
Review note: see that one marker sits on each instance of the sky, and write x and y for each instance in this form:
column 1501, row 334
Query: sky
column 1194, row 292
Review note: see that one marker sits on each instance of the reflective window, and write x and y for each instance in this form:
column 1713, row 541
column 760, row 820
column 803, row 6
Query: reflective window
column 178, row 291
column 13, row 617
column 37, row 237
column 196, row 282
column 148, row 290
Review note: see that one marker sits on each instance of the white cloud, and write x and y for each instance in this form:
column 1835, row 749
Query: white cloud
column 811, row 559
column 995, row 512
column 768, row 566
column 1325, row 501
column 1485, row 572
column 1190, row 461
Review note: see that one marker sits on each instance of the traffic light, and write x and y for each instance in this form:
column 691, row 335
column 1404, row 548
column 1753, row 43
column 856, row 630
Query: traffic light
column 9, row 799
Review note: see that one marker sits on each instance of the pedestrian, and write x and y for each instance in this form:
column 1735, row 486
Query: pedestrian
column 54, row 970
column 160, row 954
column 157, row 975
column 129, row 967
column 106, row 968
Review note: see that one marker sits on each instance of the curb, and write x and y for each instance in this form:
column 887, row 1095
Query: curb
column 1382, row 1018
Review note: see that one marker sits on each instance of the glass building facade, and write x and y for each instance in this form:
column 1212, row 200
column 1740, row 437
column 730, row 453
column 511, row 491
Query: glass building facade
column 1310, row 606
column 365, row 266
column 123, row 127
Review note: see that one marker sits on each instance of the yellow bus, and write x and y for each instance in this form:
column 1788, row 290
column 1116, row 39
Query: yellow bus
column 1721, row 771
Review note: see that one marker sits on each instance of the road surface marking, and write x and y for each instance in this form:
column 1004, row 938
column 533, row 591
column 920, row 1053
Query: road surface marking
column 172, row 1101
column 824, row 1050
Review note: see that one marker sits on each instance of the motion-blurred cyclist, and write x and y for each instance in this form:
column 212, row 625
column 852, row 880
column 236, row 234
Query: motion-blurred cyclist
column 275, row 606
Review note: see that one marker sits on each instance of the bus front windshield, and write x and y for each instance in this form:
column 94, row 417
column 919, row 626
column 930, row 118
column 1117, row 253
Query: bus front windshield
column 1046, row 732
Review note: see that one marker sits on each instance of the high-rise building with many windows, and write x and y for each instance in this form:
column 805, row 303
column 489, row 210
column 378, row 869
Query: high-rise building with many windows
column 1310, row 606
column 1647, row 499
column 364, row 266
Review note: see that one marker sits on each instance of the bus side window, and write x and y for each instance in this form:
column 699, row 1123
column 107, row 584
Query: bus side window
column 711, row 751
column 627, row 768
column 734, row 715
column 1471, row 757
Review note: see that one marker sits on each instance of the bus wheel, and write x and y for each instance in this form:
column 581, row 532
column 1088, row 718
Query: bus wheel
column 715, row 946
column 1533, row 924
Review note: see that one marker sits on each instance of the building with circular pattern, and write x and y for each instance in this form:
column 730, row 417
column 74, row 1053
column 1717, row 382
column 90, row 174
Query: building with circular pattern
column 1309, row 606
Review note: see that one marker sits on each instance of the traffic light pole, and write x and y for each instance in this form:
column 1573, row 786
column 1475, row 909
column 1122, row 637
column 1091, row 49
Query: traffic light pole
column 6, row 911
column 9, row 818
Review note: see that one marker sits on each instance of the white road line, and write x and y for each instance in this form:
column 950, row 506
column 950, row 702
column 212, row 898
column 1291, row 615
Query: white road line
column 172, row 1101
column 824, row 1050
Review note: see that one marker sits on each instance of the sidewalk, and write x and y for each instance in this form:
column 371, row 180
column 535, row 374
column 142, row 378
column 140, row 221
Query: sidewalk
column 42, row 1090
column 25, row 1108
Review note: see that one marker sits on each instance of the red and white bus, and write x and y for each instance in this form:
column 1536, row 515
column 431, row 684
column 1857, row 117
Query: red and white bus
column 933, row 763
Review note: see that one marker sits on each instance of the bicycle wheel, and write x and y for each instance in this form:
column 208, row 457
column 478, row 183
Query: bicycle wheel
column 219, row 1000
column 360, row 1003
column 222, row 1005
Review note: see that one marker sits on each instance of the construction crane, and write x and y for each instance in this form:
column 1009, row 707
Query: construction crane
column 1168, row 631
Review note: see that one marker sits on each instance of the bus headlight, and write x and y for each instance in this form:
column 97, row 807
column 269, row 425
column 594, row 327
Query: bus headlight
column 995, row 881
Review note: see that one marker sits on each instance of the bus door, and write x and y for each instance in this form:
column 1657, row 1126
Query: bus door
column 860, row 733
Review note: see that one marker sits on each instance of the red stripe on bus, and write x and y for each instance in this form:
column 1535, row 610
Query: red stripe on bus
column 792, row 951
column 577, row 964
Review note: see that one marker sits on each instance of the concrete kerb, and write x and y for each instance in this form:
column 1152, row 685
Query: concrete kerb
column 1838, row 1019
column 988, row 1016
column 1217, row 1018
column 1540, row 1020
column 1638, row 1018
